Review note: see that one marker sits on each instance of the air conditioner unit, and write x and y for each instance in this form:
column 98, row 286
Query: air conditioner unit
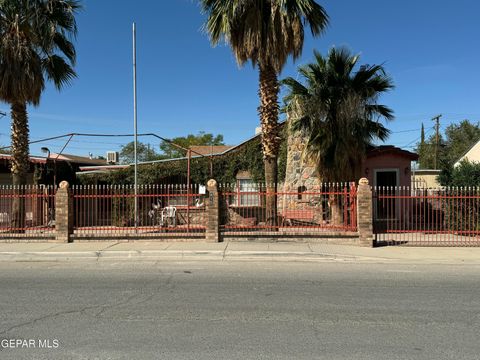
column 112, row 157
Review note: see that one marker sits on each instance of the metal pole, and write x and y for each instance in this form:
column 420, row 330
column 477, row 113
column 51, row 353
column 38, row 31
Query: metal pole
column 189, row 155
column 54, row 173
column 135, row 123
column 437, row 138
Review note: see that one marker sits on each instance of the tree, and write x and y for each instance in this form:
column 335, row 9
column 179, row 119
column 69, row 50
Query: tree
column 426, row 152
column 265, row 32
column 464, row 180
column 466, row 174
column 170, row 151
column 337, row 109
column 144, row 153
column 35, row 46
column 459, row 138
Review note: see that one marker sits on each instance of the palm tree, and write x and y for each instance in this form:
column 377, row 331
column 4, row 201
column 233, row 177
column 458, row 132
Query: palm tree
column 265, row 32
column 35, row 46
column 336, row 108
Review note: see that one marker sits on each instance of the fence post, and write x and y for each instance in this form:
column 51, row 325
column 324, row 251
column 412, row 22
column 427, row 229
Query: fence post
column 63, row 213
column 364, row 213
column 213, row 219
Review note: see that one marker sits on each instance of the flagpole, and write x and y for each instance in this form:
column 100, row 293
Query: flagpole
column 135, row 122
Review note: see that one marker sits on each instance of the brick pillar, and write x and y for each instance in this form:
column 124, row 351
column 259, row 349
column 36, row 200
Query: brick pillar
column 364, row 213
column 63, row 214
column 213, row 213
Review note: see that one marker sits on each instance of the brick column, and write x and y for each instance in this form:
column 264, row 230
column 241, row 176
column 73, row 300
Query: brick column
column 364, row 213
column 63, row 214
column 213, row 215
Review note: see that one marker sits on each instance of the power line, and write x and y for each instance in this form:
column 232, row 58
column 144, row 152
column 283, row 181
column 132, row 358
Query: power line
column 417, row 139
column 405, row 131
column 71, row 135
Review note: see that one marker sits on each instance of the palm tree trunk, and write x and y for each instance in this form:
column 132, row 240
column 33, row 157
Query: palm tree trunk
column 20, row 162
column 268, row 112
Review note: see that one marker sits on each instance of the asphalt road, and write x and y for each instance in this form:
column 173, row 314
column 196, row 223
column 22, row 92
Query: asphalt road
column 239, row 310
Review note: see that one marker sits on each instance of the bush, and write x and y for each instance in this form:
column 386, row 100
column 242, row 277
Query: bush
column 466, row 174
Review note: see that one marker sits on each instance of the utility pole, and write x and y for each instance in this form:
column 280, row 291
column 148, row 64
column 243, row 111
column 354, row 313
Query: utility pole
column 437, row 138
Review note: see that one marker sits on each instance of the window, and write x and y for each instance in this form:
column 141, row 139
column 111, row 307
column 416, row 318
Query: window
column 248, row 193
column 300, row 190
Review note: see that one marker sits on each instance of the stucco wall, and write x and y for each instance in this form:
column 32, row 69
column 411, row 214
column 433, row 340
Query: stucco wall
column 425, row 179
column 388, row 161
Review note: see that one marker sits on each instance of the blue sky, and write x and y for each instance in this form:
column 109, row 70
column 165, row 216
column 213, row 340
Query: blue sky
column 430, row 48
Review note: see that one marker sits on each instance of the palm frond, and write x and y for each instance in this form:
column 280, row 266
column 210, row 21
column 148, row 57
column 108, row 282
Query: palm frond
column 266, row 32
column 36, row 43
column 58, row 71
column 336, row 107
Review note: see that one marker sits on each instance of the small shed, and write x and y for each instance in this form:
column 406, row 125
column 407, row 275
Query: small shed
column 385, row 165
column 388, row 165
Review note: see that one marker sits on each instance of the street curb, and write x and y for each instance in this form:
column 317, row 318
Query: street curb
column 176, row 255
column 214, row 255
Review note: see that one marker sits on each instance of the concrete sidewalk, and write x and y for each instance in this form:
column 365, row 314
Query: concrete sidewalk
column 280, row 251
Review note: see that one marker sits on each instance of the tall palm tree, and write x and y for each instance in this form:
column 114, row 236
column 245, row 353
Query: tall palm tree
column 35, row 46
column 265, row 32
column 337, row 110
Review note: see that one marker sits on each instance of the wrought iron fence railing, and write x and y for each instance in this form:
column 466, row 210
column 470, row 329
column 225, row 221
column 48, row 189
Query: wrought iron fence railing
column 326, row 207
column 448, row 216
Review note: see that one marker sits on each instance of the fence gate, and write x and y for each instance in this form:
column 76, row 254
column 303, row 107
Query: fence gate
column 427, row 217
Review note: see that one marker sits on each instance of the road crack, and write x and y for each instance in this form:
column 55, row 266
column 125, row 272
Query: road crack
column 102, row 307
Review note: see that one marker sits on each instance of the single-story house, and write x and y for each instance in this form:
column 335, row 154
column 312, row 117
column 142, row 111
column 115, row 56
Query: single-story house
column 42, row 169
column 385, row 165
column 472, row 155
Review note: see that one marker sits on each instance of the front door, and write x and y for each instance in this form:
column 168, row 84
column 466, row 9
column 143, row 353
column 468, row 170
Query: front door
column 386, row 182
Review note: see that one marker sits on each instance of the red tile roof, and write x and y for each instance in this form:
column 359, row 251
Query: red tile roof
column 208, row 150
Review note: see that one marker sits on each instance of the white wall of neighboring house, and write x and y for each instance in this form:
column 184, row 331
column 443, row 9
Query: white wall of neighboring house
column 472, row 155
column 425, row 179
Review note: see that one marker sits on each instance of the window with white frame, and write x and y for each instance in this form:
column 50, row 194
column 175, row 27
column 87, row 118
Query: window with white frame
column 248, row 193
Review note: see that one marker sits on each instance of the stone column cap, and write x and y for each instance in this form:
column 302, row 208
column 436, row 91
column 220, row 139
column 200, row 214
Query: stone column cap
column 212, row 183
column 363, row 181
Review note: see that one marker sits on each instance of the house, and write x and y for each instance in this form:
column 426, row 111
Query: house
column 384, row 165
column 236, row 169
column 387, row 165
column 43, row 170
column 472, row 155
column 40, row 202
